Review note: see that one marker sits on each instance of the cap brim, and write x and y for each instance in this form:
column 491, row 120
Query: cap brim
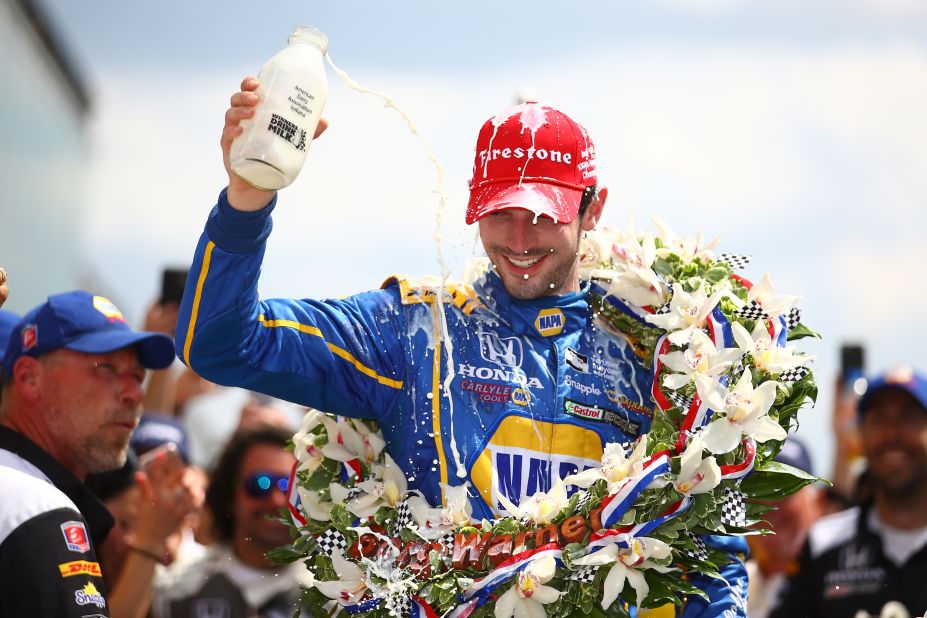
column 878, row 385
column 557, row 202
column 155, row 350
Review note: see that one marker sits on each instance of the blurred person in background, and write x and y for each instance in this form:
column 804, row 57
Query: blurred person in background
column 150, row 507
column 4, row 291
column 871, row 560
column 73, row 373
column 774, row 557
column 8, row 321
column 235, row 578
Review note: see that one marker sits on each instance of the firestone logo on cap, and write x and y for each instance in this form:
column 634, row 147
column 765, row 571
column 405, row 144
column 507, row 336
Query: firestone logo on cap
column 531, row 146
column 107, row 308
column 29, row 337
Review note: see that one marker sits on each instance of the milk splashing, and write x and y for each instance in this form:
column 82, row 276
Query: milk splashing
column 445, row 271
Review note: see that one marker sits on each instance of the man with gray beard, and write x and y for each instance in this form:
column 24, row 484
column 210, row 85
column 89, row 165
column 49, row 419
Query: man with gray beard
column 72, row 388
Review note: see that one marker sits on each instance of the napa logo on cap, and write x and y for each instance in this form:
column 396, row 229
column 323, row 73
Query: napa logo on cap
column 550, row 322
column 107, row 308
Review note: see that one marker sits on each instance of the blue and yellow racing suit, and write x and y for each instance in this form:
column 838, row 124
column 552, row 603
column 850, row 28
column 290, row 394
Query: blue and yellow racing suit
column 518, row 394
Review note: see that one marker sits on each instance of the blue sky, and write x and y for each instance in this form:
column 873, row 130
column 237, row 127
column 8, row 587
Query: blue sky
column 792, row 130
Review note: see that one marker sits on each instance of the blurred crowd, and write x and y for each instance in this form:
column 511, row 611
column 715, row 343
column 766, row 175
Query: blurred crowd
column 198, row 503
column 195, row 507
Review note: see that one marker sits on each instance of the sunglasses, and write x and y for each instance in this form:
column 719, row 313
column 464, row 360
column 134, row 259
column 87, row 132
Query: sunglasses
column 260, row 484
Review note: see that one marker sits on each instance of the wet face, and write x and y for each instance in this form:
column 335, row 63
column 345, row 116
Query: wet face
column 91, row 404
column 252, row 525
column 894, row 437
column 533, row 255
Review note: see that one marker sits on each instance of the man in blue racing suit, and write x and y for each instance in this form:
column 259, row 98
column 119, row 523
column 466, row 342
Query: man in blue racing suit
column 508, row 384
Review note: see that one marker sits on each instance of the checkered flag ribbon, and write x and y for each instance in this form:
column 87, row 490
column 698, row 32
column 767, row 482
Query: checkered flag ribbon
column 793, row 375
column 681, row 401
column 735, row 261
column 403, row 516
column 398, row 605
column 331, row 541
column 584, row 575
column 665, row 308
column 752, row 311
column 583, row 500
column 733, row 511
column 700, row 551
column 793, row 318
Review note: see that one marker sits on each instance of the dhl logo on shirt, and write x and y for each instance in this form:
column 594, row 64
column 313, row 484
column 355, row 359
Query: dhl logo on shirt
column 80, row 567
column 524, row 457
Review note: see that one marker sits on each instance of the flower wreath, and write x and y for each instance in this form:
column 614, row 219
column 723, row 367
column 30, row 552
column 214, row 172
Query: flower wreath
column 727, row 387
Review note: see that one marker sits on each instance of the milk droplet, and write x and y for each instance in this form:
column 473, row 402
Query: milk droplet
column 434, row 461
column 551, row 286
column 526, row 276
column 430, row 396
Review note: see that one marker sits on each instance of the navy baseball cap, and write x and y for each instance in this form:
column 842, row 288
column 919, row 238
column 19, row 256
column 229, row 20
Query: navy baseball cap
column 795, row 454
column 156, row 429
column 8, row 321
column 903, row 378
column 82, row 322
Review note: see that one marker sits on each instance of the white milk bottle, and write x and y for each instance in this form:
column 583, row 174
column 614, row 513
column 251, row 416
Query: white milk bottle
column 293, row 90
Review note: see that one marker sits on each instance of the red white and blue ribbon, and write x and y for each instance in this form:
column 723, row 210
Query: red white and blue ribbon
column 421, row 608
column 480, row 590
column 616, row 505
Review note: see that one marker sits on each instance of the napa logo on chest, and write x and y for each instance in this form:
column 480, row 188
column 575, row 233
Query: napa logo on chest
column 525, row 456
column 550, row 322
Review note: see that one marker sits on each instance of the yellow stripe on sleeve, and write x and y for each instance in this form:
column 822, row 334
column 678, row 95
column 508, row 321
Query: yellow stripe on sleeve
column 204, row 270
column 337, row 351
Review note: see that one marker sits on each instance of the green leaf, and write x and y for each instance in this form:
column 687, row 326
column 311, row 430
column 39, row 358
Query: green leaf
column 800, row 331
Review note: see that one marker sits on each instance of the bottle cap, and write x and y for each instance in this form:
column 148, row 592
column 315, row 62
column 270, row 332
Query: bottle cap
column 309, row 34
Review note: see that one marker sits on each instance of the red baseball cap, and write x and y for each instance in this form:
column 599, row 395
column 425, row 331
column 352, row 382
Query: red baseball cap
column 534, row 157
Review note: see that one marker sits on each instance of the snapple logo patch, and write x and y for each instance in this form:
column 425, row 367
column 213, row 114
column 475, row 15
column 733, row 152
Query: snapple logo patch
column 550, row 322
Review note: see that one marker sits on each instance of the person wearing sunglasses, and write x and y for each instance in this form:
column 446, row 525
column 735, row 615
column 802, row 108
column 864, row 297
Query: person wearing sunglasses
column 247, row 489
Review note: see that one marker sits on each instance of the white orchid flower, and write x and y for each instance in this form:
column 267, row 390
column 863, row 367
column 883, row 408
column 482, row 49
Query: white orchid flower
column 741, row 411
column 701, row 357
column 687, row 312
column 305, row 443
column 542, row 507
column 312, row 504
column 386, row 487
column 628, row 562
column 372, row 441
column 642, row 287
column 773, row 304
column 595, row 249
column 766, row 355
column 344, row 442
column 686, row 247
column 528, row 595
column 434, row 522
column 349, row 588
column 696, row 474
column 616, row 467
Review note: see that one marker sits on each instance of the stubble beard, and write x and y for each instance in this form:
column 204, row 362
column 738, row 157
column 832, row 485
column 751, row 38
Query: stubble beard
column 557, row 280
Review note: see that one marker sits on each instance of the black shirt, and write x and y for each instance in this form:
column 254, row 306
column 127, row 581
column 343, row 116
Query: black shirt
column 843, row 569
column 49, row 525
